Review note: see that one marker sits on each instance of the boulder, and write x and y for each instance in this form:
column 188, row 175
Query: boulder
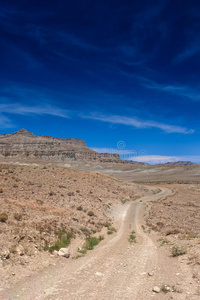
column 64, row 252
column 156, row 289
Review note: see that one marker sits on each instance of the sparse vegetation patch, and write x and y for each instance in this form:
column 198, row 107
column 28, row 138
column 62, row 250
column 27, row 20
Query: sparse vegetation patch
column 90, row 243
column 3, row 217
column 177, row 251
column 132, row 237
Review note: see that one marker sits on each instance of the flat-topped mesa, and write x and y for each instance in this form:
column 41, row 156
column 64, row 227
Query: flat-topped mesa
column 25, row 146
column 18, row 137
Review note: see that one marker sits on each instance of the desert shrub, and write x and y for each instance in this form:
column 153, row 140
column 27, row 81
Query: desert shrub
column 90, row 243
column 173, row 231
column 177, row 251
column 63, row 241
column 79, row 208
column 17, row 216
column 39, row 201
column 70, row 194
column 165, row 289
column 86, row 231
column 163, row 241
column 160, row 224
column 90, row 213
column 132, row 237
column 15, row 185
column 107, row 224
column 3, row 217
column 52, row 193
column 1, row 190
column 111, row 230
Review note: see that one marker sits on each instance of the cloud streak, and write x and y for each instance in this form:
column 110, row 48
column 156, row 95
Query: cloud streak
column 33, row 110
column 5, row 122
column 170, row 88
column 134, row 122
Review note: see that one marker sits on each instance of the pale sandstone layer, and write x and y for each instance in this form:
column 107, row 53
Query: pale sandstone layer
column 25, row 146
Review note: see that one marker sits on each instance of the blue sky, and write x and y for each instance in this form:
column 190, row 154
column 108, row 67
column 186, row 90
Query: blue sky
column 122, row 75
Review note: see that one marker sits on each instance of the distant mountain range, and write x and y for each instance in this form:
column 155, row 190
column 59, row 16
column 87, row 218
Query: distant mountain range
column 181, row 163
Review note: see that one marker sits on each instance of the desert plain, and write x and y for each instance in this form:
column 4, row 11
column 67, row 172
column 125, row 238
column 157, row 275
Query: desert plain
column 129, row 230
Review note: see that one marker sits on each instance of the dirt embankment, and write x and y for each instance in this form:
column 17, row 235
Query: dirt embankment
column 176, row 222
column 39, row 204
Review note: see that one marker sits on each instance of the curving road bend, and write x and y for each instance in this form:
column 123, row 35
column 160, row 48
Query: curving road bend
column 115, row 269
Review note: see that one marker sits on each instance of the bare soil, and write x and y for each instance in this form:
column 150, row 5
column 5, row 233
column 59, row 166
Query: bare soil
column 162, row 218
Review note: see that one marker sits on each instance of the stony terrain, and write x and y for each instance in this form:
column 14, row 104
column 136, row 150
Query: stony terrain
column 39, row 201
column 132, row 263
column 176, row 219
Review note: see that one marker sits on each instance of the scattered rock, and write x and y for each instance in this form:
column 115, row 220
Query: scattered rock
column 98, row 274
column 156, row 289
column 64, row 252
column 4, row 253
column 143, row 273
column 20, row 250
column 150, row 274
column 55, row 253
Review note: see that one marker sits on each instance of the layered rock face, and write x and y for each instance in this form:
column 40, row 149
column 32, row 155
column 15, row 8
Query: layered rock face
column 25, row 146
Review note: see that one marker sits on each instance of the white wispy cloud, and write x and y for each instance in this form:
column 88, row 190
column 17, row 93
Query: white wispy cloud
column 155, row 159
column 8, row 106
column 33, row 110
column 137, row 123
column 172, row 89
column 5, row 122
column 162, row 159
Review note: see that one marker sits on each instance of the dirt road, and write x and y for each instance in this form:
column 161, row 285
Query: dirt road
column 115, row 269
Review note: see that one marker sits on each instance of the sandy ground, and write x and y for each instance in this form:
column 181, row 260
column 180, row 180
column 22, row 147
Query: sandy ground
column 116, row 268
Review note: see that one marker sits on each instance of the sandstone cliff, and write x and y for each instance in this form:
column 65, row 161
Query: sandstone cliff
column 25, row 146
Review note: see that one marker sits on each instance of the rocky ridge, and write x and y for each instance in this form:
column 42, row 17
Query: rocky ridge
column 181, row 163
column 25, row 146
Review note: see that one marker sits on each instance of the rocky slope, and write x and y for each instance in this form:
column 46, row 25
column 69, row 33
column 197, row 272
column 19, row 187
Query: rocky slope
column 25, row 146
column 41, row 204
